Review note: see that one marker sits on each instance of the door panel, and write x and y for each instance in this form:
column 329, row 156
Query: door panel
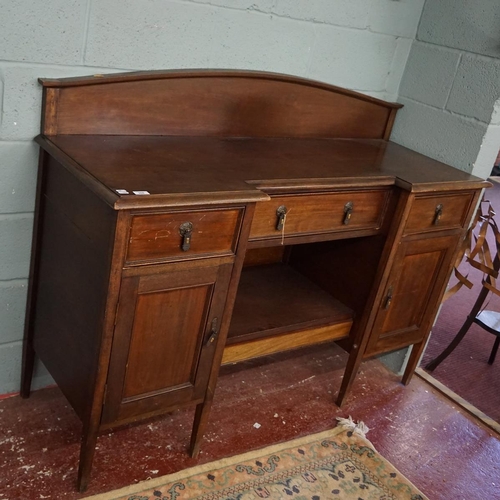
column 162, row 320
column 161, row 356
column 417, row 276
column 419, row 273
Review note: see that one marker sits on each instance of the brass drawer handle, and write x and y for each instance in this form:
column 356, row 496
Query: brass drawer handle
column 348, row 209
column 438, row 214
column 281, row 213
column 388, row 299
column 186, row 231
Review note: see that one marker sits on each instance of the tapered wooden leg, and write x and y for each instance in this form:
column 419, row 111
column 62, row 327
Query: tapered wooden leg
column 416, row 353
column 494, row 351
column 351, row 370
column 28, row 350
column 27, row 368
column 199, row 426
column 87, row 451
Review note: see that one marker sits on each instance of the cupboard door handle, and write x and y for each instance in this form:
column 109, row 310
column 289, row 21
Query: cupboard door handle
column 213, row 333
column 348, row 209
column 438, row 214
column 388, row 299
column 186, row 231
column 281, row 213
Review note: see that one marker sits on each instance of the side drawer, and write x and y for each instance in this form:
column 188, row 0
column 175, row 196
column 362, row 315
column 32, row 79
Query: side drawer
column 436, row 212
column 158, row 237
column 319, row 213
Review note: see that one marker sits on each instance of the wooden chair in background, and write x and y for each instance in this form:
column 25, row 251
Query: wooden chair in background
column 479, row 257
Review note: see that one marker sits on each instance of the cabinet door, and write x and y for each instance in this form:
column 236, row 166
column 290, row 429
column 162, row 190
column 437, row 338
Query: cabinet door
column 165, row 339
column 419, row 273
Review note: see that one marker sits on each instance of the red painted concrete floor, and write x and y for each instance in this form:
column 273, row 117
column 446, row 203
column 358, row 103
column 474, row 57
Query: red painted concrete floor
column 439, row 448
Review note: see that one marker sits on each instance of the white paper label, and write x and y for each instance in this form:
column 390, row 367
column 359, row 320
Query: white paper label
column 122, row 191
column 141, row 192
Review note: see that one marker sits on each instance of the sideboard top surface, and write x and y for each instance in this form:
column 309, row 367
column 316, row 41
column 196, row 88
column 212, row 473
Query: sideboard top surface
column 204, row 137
column 170, row 168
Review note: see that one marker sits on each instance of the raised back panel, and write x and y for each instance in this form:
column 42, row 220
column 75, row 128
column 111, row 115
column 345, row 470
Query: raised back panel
column 211, row 103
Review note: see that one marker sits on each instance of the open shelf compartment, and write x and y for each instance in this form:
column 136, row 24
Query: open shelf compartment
column 277, row 308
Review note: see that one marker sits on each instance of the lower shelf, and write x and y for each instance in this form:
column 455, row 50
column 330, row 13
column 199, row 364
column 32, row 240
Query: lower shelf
column 278, row 309
column 285, row 342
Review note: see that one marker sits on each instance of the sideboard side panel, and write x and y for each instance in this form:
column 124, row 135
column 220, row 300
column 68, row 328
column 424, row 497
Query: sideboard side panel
column 75, row 258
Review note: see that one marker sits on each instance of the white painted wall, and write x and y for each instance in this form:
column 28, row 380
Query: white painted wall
column 359, row 44
column 451, row 84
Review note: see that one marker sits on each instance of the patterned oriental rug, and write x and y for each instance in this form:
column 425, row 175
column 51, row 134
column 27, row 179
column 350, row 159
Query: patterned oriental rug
column 340, row 464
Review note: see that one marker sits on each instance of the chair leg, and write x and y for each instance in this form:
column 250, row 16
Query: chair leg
column 433, row 364
column 494, row 351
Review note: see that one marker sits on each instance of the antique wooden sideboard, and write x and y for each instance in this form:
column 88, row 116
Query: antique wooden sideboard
column 191, row 218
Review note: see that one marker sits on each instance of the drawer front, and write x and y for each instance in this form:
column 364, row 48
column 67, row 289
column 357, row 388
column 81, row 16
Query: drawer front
column 435, row 212
column 319, row 213
column 161, row 237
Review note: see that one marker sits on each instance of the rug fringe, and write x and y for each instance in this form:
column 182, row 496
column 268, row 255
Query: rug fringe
column 359, row 428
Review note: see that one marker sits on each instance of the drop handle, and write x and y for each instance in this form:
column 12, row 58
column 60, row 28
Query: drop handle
column 388, row 299
column 213, row 333
column 438, row 214
column 281, row 212
column 186, row 231
column 348, row 209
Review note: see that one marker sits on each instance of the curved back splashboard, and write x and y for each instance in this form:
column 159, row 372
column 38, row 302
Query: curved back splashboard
column 211, row 103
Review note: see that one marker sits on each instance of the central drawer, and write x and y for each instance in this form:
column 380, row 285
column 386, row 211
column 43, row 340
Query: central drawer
column 303, row 214
column 183, row 235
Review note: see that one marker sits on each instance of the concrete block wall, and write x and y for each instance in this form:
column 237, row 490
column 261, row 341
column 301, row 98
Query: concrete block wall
column 451, row 85
column 359, row 44
column 451, row 90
